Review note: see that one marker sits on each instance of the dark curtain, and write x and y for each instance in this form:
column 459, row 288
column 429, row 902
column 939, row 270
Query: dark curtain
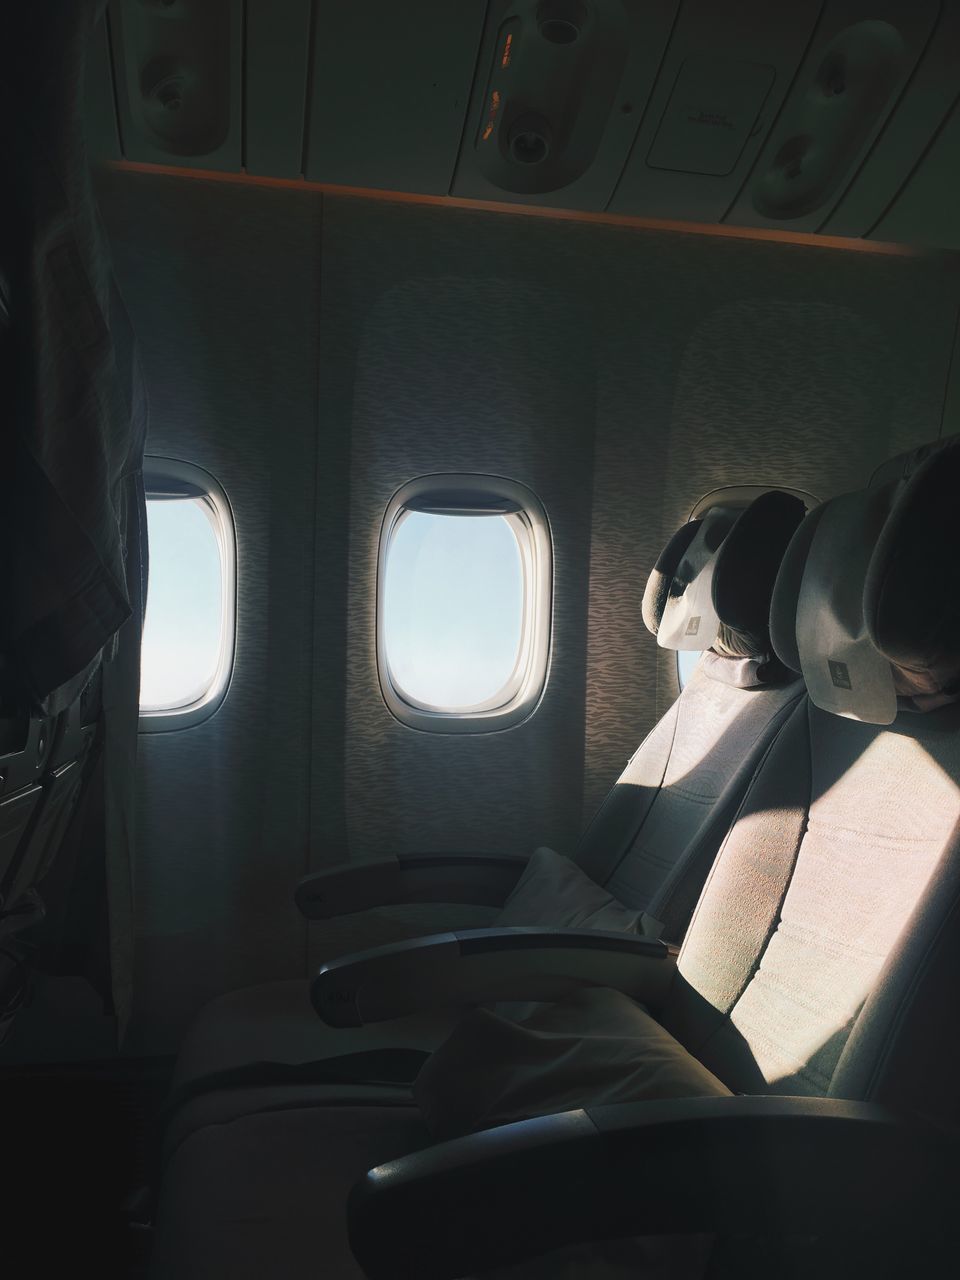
column 72, row 515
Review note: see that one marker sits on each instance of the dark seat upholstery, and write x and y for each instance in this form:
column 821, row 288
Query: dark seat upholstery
column 41, row 780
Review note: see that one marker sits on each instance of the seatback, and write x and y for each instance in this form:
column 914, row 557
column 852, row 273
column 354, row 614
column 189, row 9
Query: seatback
column 679, row 792
column 43, row 764
column 824, row 952
column 59, row 772
column 25, row 746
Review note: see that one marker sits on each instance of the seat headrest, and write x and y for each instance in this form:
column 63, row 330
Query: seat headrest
column 912, row 592
column 746, row 569
column 658, row 586
column 904, row 465
column 712, row 583
column 677, row 603
column 867, row 601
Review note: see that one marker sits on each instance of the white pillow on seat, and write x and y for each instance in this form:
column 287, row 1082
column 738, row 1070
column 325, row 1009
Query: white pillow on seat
column 554, row 893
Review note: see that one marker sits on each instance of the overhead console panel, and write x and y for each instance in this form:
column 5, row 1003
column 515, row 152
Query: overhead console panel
column 102, row 137
column 389, row 91
column 723, row 80
column 179, row 87
column 561, row 87
column 834, row 117
column 861, row 59
column 277, row 56
column 928, row 210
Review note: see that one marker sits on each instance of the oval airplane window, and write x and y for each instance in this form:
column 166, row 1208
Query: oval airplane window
column 186, row 653
column 453, row 610
column 464, row 598
column 687, row 660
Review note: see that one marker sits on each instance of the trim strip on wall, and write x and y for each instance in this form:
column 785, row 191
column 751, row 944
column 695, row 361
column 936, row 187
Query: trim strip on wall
column 808, row 239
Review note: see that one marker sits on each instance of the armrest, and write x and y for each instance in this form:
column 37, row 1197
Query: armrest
column 481, row 966
column 739, row 1165
column 483, row 880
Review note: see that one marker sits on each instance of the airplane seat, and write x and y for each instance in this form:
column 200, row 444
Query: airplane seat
column 24, row 745
column 645, row 855
column 852, row 827
column 60, row 778
column 687, row 777
column 816, row 983
column 42, row 768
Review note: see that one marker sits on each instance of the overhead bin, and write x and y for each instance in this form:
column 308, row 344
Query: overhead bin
column 859, row 63
column 276, row 61
column 179, row 74
column 103, row 140
column 723, row 80
column 923, row 108
column 927, row 211
column 561, row 86
column 389, row 90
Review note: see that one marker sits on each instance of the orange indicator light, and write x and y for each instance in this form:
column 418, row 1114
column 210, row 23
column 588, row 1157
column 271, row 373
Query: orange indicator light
column 491, row 116
column 507, row 51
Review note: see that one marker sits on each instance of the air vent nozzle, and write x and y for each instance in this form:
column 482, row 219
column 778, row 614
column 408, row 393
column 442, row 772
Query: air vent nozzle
column 561, row 21
column 529, row 140
column 180, row 106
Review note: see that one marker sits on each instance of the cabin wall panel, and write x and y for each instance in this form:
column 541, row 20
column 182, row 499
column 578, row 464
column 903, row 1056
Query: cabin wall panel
column 524, row 379
column 314, row 360
column 221, row 286
column 458, row 366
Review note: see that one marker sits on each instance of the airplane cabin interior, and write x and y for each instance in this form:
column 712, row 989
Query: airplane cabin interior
column 480, row 639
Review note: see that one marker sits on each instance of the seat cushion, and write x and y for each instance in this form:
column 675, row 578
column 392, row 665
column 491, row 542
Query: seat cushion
column 594, row 1047
column 248, row 1044
column 222, row 1106
column 275, row 1023
column 265, row 1194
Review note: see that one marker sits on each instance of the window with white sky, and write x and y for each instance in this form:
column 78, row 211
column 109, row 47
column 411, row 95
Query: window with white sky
column 185, row 618
column 453, row 608
column 687, row 660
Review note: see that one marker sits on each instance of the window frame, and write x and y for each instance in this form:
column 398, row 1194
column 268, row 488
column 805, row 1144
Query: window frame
column 170, row 479
column 458, row 494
